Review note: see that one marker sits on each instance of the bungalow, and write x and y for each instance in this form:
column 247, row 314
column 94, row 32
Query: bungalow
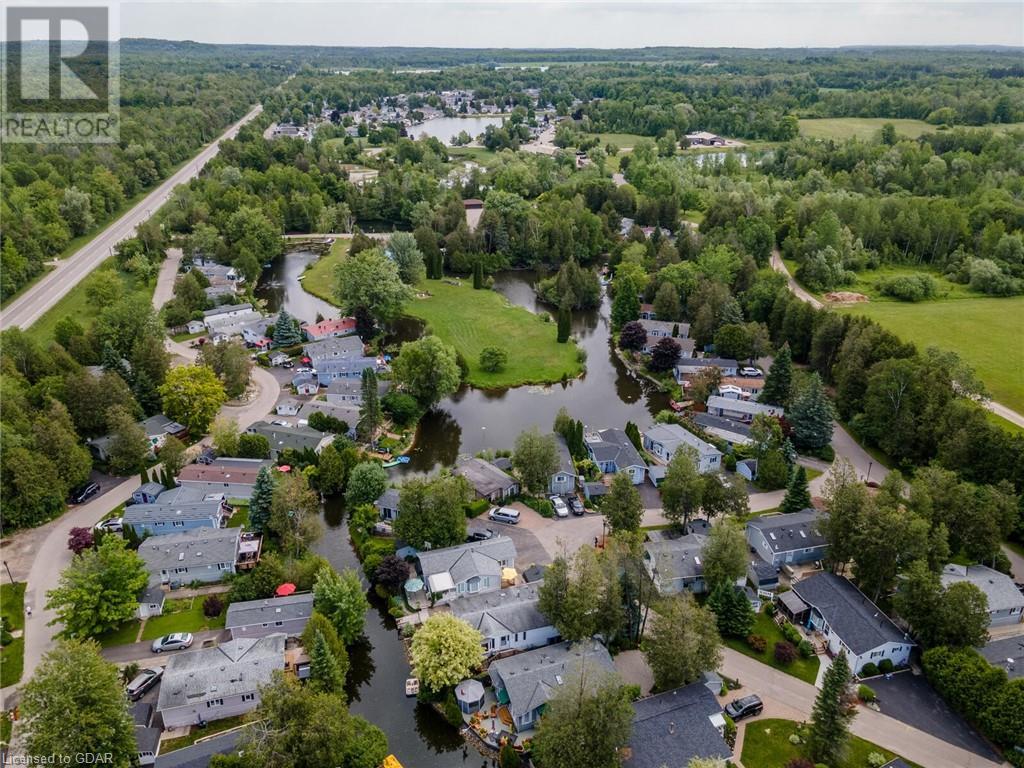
column 1005, row 600
column 349, row 414
column 830, row 604
column 202, row 554
column 474, row 567
column 279, row 358
column 792, row 538
column 733, row 432
column 147, row 493
column 259, row 618
column 487, row 481
column 214, row 272
column 387, row 503
column 741, row 410
column 328, row 329
column 527, row 681
column 509, row 620
column 327, row 370
column 152, row 599
column 691, row 366
column 665, row 440
column 350, row 391
column 647, row 312
column 749, row 386
column 594, row 490
column 162, row 517
column 296, row 438
column 677, row 726
column 218, row 682
column 158, row 428
column 212, row 317
column 674, row 565
column 614, row 452
column 305, row 384
column 235, row 478
column 333, row 348
column 192, row 327
column 666, row 328
column 289, row 407
column 686, row 346
column 563, row 480
column 763, row 576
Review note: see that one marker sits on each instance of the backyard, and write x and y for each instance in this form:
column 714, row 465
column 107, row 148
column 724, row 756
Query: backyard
column 195, row 733
column 12, row 655
column 765, row 626
column 471, row 320
column 184, row 615
column 766, row 744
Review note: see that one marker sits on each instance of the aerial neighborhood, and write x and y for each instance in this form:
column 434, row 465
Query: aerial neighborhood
column 557, row 407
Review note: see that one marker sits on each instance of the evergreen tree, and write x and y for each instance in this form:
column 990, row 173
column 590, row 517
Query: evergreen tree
column 261, row 501
column 778, row 384
column 811, row 414
column 478, row 274
column 146, row 392
column 733, row 612
column 324, row 669
column 832, row 713
column 622, row 507
column 369, row 412
column 798, row 495
column 633, row 433
column 286, row 331
column 626, row 305
column 112, row 362
column 564, row 321
column 143, row 476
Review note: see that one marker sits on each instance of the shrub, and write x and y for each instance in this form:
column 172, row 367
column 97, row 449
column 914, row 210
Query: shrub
column 791, row 633
column 542, row 507
column 798, row 762
column 493, row 359
column 885, row 666
column 508, row 757
column 631, row 692
column 876, row 760
column 769, row 609
column 868, row 670
column 785, row 652
column 866, row 693
column 730, row 462
column 805, row 648
column 452, row 713
column 757, row 643
column 730, row 731
column 212, row 606
column 907, row 287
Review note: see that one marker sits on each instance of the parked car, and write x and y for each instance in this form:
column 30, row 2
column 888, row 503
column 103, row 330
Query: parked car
column 576, row 506
column 748, row 706
column 111, row 525
column 483, row 535
column 143, row 681
column 84, row 493
column 173, row 642
column 279, row 423
column 304, row 370
column 288, row 364
column 504, row 515
column 207, row 456
column 748, row 371
column 561, row 510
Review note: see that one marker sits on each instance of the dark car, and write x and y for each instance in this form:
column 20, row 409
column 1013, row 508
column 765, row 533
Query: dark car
column 483, row 535
column 576, row 506
column 84, row 493
column 748, row 706
column 207, row 456
column 288, row 364
column 145, row 680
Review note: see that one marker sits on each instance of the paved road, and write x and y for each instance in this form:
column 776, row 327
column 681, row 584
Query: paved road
column 34, row 302
column 785, row 696
column 164, row 290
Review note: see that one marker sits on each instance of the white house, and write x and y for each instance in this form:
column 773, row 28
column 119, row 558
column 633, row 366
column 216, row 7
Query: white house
column 691, row 366
column 614, row 452
column 1005, row 601
column 466, row 568
column 509, row 619
column 202, row 554
column 289, row 407
column 259, row 618
column 665, row 440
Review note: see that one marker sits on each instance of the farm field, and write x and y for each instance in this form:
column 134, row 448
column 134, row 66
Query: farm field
column 840, row 128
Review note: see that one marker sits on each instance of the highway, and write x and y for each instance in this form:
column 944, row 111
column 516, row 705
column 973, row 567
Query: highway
column 34, row 302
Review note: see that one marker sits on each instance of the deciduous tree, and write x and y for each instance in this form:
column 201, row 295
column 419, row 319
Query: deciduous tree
column 724, row 554
column 369, row 282
column 433, row 511
column 622, row 507
column 427, row 369
column 535, row 459
column 682, row 643
column 192, row 395
column 445, row 650
column 366, row 482
column 682, row 489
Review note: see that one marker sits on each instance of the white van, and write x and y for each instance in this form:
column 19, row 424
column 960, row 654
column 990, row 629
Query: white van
column 504, row 515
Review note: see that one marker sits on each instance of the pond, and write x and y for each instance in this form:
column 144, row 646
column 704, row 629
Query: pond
column 417, row 735
column 709, row 158
column 281, row 288
column 444, row 128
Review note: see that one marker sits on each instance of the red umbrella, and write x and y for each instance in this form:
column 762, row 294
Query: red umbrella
column 285, row 589
column 284, row 468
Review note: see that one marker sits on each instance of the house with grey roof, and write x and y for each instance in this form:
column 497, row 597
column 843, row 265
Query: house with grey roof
column 201, row 554
column 741, row 410
column 234, row 478
column 848, row 621
column 147, row 493
column 1005, row 600
column 563, row 480
column 792, row 538
column 387, row 503
column 333, row 349
column 259, row 618
column 614, row 452
column 350, row 391
column 691, row 366
column 165, row 516
column 664, row 328
column 330, row 369
column 466, row 568
column 486, row 480
column 527, row 681
column 1007, row 653
column 674, row 564
column 731, row 431
column 297, row 438
column 508, row 619
column 223, row 681
column 665, row 440
column 674, row 727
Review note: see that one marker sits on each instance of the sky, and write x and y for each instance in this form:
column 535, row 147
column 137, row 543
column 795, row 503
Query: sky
column 580, row 23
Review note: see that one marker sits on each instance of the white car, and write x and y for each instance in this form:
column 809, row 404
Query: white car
column 113, row 525
column 561, row 508
column 748, row 371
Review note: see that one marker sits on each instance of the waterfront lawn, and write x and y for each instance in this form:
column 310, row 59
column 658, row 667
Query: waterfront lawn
column 182, row 616
column 12, row 655
column 766, row 745
column 803, row 669
column 319, row 278
column 985, row 332
column 470, row 320
column 481, row 155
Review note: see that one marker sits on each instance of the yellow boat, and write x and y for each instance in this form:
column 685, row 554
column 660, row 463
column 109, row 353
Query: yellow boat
column 391, row 762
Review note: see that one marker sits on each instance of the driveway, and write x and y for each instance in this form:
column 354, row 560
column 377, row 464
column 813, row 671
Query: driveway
column 140, row 652
column 785, row 696
column 529, row 550
column 911, row 699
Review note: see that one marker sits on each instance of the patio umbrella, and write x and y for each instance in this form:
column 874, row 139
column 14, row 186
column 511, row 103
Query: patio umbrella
column 413, row 585
column 284, row 468
column 285, row 589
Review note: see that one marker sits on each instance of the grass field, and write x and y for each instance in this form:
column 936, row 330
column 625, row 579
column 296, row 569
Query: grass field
column 471, row 320
column 76, row 304
column 766, row 745
column 986, row 332
column 841, row 128
column 12, row 656
column 319, row 278
column 620, row 140
column 481, row 155
column 867, row 282
column 802, row 669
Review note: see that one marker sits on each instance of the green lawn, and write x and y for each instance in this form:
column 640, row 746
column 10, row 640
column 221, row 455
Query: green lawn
column 803, row 669
column 12, row 656
column 181, row 616
column 319, row 277
column 471, row 320
column 766, row 745
column 76, row 304
column 123, row 635
column 481, row 155
column 841, row 128
column 240, row 517
column 620, row 140
column 985, row 332
column 196, row 733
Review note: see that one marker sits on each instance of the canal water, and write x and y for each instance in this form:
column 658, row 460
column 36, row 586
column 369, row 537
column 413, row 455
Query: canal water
column 281, row 288
column 444, row 128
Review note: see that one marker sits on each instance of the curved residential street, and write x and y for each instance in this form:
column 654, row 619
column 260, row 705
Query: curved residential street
column 34, row 302
column 801, row 293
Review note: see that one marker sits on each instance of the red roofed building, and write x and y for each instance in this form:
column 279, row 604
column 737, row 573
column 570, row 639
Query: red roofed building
column 329, row 329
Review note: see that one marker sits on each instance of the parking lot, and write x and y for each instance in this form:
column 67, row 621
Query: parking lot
column 539, row 539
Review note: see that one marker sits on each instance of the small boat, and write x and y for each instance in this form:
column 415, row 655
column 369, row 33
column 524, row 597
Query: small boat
column 412, row 686
column 391, row 762
column 396, row 461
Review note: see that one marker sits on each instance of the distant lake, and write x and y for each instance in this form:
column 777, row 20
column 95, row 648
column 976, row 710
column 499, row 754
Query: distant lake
column 444, row 128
